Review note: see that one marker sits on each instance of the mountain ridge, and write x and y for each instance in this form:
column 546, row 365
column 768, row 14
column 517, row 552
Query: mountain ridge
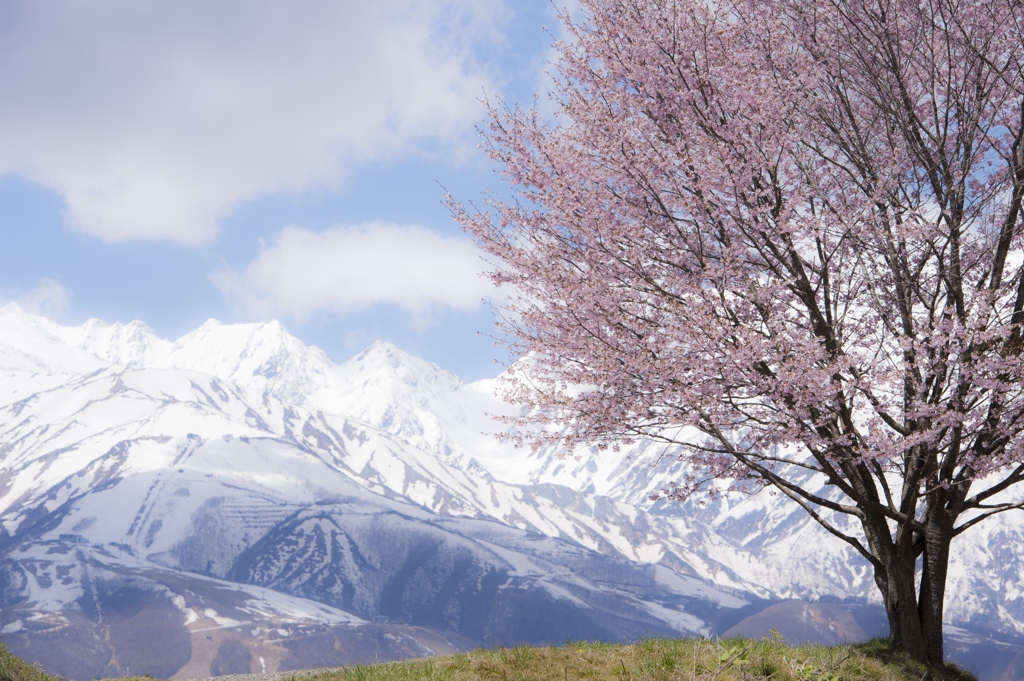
column 237, row 455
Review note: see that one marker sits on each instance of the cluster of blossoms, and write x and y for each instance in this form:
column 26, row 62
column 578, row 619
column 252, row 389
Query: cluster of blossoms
column 784, row 236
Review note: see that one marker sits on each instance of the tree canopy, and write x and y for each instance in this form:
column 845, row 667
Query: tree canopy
column 785, row 236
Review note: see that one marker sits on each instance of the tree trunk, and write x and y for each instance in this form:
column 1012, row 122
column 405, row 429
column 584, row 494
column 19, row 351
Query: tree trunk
column 915, row 615
column 938, row 535
column 899, row 593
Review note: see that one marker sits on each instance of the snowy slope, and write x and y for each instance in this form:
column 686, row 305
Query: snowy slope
column 133, row 465
column 237, row 453
column 762, row 543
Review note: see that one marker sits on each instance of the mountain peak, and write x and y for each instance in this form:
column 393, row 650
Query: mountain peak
column 133, row 344
column 380, row 351
column 240, row 333
column 18, row 315
column 382, row 358
column 12, row 309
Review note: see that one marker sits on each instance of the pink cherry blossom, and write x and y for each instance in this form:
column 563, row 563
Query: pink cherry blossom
column 785, row 237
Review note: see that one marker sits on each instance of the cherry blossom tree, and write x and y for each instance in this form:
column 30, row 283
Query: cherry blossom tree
column 785, row 237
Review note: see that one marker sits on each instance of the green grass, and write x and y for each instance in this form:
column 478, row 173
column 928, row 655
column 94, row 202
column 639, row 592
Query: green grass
column 654, row 659
column 662, row 660
column 15, row 669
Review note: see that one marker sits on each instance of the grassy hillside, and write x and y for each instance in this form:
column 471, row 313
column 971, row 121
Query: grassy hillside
column 648, row 660
column 661, row 660
column 16, row 669
column 658, row 660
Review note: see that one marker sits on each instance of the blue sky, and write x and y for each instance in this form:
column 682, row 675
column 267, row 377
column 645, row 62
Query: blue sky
column 245, row 160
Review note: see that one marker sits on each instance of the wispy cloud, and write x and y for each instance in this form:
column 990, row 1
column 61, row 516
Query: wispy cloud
column 350, row 268
column 153, row 120
column 48, row 298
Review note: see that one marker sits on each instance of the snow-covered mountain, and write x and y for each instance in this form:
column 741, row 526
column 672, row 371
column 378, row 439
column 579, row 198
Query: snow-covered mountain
column 239, row 502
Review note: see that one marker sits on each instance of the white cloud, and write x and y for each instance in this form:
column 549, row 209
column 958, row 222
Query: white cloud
column 345, row 269
column 49, row 298
column 154, row 119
